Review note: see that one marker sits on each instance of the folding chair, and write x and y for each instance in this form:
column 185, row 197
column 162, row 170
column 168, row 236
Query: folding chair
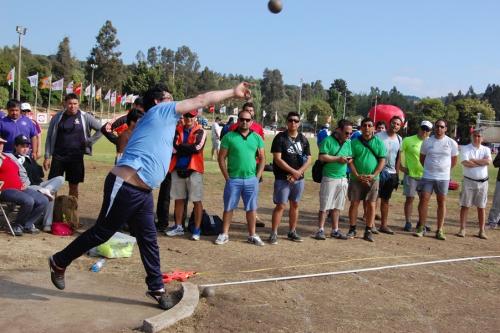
column 6, row 218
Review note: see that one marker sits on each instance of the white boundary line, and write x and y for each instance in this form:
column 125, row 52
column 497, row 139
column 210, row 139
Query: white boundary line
column 359, row 270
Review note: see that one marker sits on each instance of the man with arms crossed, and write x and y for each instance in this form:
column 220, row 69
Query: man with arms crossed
column 438, row 155
column 475, row 161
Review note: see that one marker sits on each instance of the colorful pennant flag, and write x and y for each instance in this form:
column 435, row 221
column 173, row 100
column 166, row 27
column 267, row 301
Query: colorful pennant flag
column 124, row 99
column 58, row 85
column 69, row 88
column 11, row 75
column 108, row 95
column 87, row 90
column 45, row 82
column 33, row 80
column 113, row 99
column 98, row 94
column 78, row 89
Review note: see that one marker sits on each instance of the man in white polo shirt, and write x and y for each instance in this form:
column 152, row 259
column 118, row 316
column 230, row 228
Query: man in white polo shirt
column 475, row 160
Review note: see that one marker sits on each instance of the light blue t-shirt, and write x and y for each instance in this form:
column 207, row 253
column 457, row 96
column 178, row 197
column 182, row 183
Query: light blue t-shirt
column 149, row 149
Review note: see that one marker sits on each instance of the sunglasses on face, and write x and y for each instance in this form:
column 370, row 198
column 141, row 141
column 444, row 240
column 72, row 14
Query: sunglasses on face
column 246, row 120
column 425, row 128
column 347, row 133
column 187, row 115
column 293, row 121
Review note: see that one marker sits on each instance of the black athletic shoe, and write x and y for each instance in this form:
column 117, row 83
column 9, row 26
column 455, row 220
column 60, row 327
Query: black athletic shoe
column 368, row 236
column 56, row 274
column 351, row 233
column 165, row 301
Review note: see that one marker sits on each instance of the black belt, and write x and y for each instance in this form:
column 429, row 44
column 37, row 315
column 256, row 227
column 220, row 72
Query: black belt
column 478, row 180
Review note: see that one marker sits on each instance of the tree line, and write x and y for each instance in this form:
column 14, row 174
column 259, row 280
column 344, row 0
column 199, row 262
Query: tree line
column 181, row 71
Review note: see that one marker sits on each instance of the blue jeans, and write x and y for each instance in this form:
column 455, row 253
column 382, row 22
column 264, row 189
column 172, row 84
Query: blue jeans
column 32, row 205
column 247, row 189
column 122, row 203
column 53, row 185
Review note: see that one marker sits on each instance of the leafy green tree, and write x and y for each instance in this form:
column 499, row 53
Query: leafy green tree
column 492, row 95
column 63, row 65
column 468, row 109
column 319, row 108
column 106, row 56
column 272, row 89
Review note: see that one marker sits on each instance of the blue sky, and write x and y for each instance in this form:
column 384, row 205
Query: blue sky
column 425, row 47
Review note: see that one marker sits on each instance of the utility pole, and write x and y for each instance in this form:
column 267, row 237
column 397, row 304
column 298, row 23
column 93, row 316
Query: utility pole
column 21, row 31
column 300, row 101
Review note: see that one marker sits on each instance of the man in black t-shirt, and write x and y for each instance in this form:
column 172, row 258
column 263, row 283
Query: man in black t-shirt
column 291, row 158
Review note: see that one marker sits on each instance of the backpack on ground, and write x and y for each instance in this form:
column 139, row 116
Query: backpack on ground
column 211, row 225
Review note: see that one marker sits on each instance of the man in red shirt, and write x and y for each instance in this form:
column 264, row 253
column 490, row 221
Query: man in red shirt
column 255, row 127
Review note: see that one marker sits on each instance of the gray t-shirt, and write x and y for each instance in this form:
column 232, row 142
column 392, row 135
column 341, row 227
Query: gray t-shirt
column 438, row 153
column 392, row 145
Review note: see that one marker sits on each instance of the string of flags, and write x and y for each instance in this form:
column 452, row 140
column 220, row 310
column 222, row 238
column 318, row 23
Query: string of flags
column 113, row 96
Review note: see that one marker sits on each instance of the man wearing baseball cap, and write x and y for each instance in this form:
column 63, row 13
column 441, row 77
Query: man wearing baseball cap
column 187, row 167
column 26, row 111
column 35, row 174
column 412, row 168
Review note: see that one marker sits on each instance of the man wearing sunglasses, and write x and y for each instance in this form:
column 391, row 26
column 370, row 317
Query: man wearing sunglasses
column 186, row 168
column 128, row 196
column 242, row 175
column 412, row 168
column 368, row 160
column 475, row 159
column 438, row 155
column 291, row 158
column 256, row 128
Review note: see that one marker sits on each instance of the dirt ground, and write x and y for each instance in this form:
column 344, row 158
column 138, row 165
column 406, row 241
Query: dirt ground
column 459, row 297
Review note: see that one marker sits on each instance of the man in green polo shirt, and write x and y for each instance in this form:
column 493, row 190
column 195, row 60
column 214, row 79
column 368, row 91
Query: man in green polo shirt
column 335, row 152
column 241, row 174
column 412, row 168
column 368, row 160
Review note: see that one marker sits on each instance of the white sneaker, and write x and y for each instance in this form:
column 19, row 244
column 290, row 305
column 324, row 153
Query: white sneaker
column 222, row 239
column 47, row 228
column 46, row 192
column 255, row 239
column 176, row 230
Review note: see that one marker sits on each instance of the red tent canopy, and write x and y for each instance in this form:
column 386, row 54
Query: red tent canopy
column 385, row 112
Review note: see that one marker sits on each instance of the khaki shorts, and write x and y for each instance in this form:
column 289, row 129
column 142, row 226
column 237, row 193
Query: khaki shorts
column 358, row 191
column 474, row 193
column 410, row 186
column 332, row 194
column 192, row 185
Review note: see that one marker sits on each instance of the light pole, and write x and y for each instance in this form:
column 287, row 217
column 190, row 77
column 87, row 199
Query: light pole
column 300, row 101
column 93, row 66
column 21, row 31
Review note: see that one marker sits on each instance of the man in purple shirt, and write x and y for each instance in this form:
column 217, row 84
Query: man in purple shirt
column 15, row 124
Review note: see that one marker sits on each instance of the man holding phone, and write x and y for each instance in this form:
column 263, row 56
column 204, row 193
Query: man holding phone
column 335, row 152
